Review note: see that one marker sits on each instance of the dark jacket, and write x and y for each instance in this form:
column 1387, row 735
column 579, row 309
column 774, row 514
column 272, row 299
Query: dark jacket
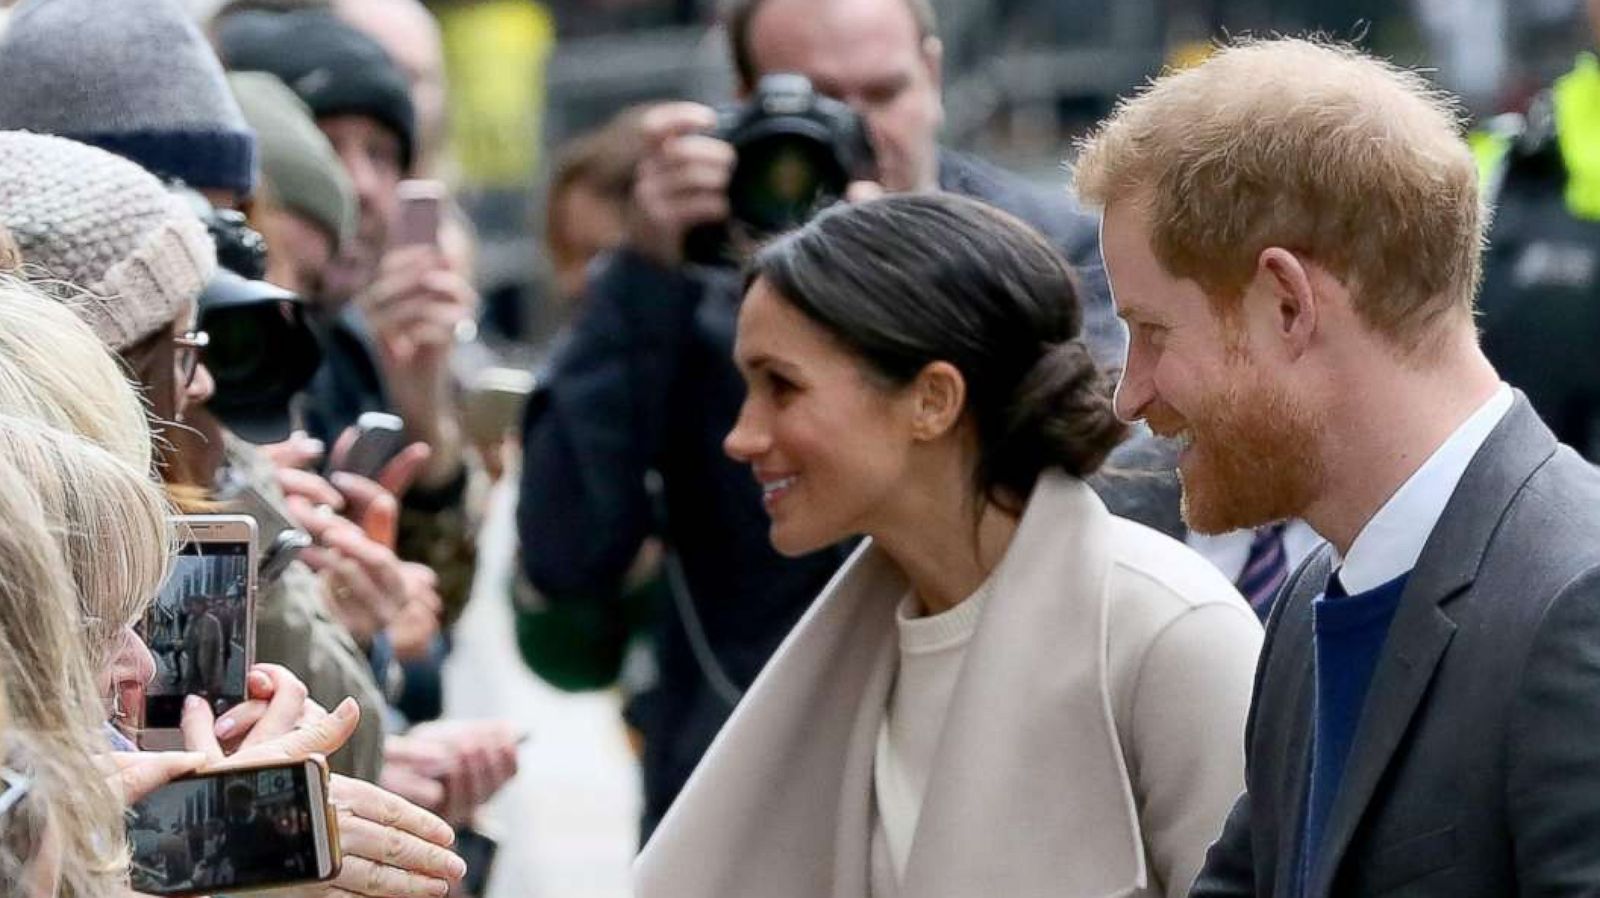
column 1540, row 299
column 646, row 383
column 1474, row 770
column 436, row 526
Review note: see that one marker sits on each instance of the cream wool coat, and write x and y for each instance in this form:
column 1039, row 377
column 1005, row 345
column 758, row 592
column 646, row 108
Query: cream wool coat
column 1093, row 746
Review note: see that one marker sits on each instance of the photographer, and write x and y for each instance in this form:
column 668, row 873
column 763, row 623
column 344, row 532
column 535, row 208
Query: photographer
column 646, row 382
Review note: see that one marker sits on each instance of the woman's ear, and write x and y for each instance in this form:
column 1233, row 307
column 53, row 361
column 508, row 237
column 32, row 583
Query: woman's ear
column 939, row 396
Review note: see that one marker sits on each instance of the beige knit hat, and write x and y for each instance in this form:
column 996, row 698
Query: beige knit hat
column 100, row 222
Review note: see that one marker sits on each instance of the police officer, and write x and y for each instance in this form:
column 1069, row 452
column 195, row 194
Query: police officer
column 1540, row 301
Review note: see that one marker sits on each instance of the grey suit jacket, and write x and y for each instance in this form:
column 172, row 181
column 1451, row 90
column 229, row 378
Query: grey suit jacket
column 1475, row 769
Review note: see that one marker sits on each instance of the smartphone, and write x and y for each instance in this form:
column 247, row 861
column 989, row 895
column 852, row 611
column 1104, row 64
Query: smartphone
column 479, row 851
column 282, row 552
column 201, row 627
column 230, row 831
column 379, row 437
column 493, row 402
column 421, row 208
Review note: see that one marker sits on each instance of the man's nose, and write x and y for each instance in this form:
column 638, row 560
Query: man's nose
column 1134, row 393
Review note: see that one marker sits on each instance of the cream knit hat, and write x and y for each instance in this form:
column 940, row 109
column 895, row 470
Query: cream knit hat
column 98, row 221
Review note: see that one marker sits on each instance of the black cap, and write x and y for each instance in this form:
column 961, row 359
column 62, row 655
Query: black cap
column 262, row 354
column 330, row 65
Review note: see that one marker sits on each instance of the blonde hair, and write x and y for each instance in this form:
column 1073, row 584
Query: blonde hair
column 1310, row 146
column 54, row 369
column 110, row 522
column 53, row 731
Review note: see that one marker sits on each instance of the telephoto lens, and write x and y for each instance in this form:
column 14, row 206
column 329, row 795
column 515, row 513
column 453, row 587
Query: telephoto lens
column 797, row 153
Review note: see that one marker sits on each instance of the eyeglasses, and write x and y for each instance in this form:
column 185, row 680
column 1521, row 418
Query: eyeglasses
column 17, row 786
column 187, row 354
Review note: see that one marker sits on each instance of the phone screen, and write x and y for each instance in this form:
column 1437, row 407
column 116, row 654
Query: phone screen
column 222, row 831
column 198, row 630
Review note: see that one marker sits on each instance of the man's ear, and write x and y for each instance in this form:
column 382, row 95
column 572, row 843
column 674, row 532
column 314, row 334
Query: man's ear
column 1289, row 284
column 939, row 396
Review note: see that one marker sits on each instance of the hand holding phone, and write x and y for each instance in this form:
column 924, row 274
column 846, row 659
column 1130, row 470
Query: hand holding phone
column 235, row 830
column 201, row 627
column 420, row 212
column 379, row 437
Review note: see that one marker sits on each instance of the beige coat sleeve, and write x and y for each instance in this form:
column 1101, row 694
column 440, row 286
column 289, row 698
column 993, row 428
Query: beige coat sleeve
column 293, row 629
column 1185, row 727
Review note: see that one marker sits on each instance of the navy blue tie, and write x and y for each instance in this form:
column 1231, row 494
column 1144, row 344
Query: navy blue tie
column 1265, row 569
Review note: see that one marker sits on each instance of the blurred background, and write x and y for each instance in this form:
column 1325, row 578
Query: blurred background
column 1022, row 78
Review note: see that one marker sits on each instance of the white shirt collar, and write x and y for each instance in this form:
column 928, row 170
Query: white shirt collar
column 1391, row 542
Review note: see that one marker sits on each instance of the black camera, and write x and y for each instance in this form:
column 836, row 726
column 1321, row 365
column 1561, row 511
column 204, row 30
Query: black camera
column 262, row 350
column 798, row 151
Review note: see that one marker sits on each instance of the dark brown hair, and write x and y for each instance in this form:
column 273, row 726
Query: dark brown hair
column 913, row 279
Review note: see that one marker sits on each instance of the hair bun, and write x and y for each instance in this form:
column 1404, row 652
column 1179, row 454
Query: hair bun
column 1061, row 416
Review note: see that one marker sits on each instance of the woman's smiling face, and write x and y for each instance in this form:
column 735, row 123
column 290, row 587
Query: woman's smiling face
column 827, row 444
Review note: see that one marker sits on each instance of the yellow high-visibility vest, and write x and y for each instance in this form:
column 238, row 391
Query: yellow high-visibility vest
column 1575, row 99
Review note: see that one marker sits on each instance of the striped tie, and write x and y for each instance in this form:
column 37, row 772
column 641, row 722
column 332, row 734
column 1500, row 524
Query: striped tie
column 1265, row 569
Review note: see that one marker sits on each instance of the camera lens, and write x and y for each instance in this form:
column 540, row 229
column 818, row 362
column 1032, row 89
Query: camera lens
column 782, row 180
column 239, row 353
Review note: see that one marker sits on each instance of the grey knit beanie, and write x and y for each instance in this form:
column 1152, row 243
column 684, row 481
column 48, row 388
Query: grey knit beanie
column 84, row 216
column 298, row 165
column 135, row 77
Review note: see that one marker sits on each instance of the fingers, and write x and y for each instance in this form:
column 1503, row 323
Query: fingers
column 198, row 727
column 258, row 683
column 505, row 763
column 423, row 317
column 422, row 586
column 299, row 451
column 240, row 721
column 695, row 163
column 323, row 737
column 402, row 471
column 394, row 847
column 380, row 806
column 376, row 560
column 423, row 756
column 341, row 447
column 425, row 792
column 686, row 182
column 665, row 121
column 374, row 508
column 140, row 773
column 362, row 877
column 681, row 182
column 317, row 522
column 314, row 489
column 283, row 712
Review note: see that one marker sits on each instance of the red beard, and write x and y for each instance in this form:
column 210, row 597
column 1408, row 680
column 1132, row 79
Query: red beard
column 1251, row 456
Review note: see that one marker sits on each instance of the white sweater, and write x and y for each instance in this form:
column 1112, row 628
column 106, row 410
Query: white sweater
column 931, row 652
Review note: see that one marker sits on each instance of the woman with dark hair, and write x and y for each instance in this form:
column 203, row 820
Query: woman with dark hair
column 1007, row 690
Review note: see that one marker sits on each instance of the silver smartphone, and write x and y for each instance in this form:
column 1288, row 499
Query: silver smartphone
column 231, row 831
column 201, row 627
column 492, row 405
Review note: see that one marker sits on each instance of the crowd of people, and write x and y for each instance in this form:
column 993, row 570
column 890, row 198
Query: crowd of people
column 1206, row 525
